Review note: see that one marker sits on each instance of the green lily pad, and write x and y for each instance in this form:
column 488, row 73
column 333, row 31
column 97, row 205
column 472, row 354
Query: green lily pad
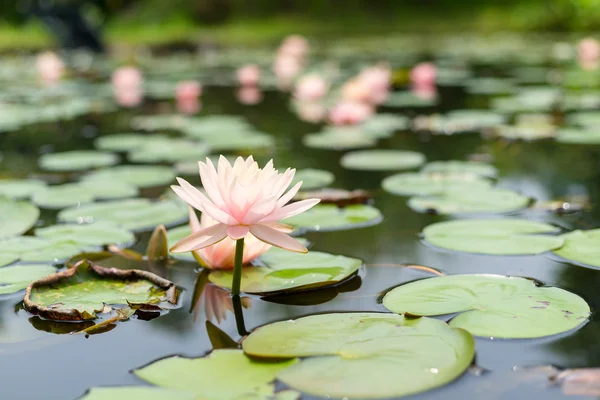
column 585, row 119
column 343, row 138
column 132, row 214
column 384, row 125
column 241, row 140
column 328, row 217
column 215, row 125
column 210, row 377
column 61, row 196
column 313, row 178
column 490, row 200
column 13, row 279
column 34, row 249
column 104, row 189
column 490, row 86
column 20, row 188
column 494, row 236
column 581, row 247
column 408, row 99
column 158, row 122
column 528, row 99
column 526, row 132
column 174, row 235
column 81, row 292
column 358, row 355
column 432, row 183
column 16, row 217
column 382, row 160
column 569, row 135
column 137, row 393
column 138, row 175
column 471, row 120
column 77, row 160
column 97, row 234
column 169, row 150
column 492, row 305
column 6, row 259
column 126, row 141
column 461, row 167
column 287, row 271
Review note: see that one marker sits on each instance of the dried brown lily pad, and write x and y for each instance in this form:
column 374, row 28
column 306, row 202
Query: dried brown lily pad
column 86, row 289
column 339, row 197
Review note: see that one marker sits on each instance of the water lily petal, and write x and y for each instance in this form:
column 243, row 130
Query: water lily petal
column 289, row 195
column 276, row 238
column 183, row 195
column 291, row 209
column 238, row 231
column 203, row 238
column 194, row 223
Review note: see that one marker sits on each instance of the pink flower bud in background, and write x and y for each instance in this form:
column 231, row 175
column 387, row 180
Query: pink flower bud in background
column 350, row 113
column 355, row 90
column 248, row 75
column 424, row 92
column 588, row 53
column 311, row 111
column 377, row 78
column 423, row 74
column 249, row 95
column 127, row 86
column 294, row 46
column 286, row 68
column 311, row 88
column 50, row 67
column 187, row 95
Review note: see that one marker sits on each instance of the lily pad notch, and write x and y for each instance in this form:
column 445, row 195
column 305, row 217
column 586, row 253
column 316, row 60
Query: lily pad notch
column 55, row 312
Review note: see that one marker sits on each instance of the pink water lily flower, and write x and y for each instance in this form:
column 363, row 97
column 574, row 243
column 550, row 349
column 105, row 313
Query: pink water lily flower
column 50, row 67
column 350, row 113
column 311, row 88
column 222, row 254
column 243, row 199
column 248, row 75
column 588, row 53
column 423, row 74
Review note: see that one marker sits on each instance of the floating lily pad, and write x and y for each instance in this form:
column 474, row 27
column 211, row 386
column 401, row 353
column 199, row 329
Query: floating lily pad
column 492, row 305
column 461, row 167
column 328, row 217
column 137, row 393
column 360, row 354
column 126, row 141
column 343, row 138
column 77, row 160
column 132, row 214
column 174, row 235
column 61, row 196
column 240, row 141
column 423, row 183
column 13, row 279
column 33, row 249
column 212, row 125
column 491, row 200
column 408, row 99
column 210, row 377
column 581, row 247
column 383, row 125
column 20, row 188
column 97, row 234
column 104, row 189
column 585, row 119
column 81, row 292
column 138, row 175
column 382, row 160
column 569, row 135
column 6, row 259
column 169, row 150
column 287, row 271
column 313, row 178
column 526, row 132
column 494, row 236
column 471, row 120
column 16, row 217
column 490, row 86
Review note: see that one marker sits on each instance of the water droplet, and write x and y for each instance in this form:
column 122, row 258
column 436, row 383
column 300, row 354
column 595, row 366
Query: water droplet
column 433, row 370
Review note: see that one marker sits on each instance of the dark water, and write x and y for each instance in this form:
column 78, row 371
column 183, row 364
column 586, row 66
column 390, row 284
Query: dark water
column 50, row 366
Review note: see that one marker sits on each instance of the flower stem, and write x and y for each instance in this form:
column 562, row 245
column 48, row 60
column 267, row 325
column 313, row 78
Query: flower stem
column 237, row 267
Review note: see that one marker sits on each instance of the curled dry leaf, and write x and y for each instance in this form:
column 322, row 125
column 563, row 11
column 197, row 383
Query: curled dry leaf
column 79, row 293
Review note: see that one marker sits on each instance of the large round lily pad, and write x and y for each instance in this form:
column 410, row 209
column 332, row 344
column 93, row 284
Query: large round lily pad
column 384, row 125
column 77, row 160
column 169, row 150
column 124, row 142
column 243, row 140
column 581, row 247
column 491, row 200
column 16, row 217
column 34, row 249
column 461, row 167
column 210, row 377
column 313, row 178
column 61, row 196
column 425, row 183
column 81, row 292
column 382, row 160
column 574, row 136
column 96, row 234
column 15, row 278
column 328, row 217
column 20, row 188
column 136, row 393
column 408, row 99
column 494, row 236
column 361, row 354
column 492, row 305
column 342, row 138
column 132, row 214
column 137, row 175
column 288, row 271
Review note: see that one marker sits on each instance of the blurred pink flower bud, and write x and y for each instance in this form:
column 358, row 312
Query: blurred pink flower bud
column 50, row 67
column 188, row 90
column 377, row 78
column 295, row 46
column 350, row 113
column 588, row 53
column 311, row 111
column 286, row 68
column 127, row 86
column 423, row 74
column 311, row 88
column 355, row 90
column 249, row 95
column 424, row 92
column 248, row 75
